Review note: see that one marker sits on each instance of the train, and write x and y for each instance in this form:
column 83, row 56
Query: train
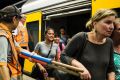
column 71, row 15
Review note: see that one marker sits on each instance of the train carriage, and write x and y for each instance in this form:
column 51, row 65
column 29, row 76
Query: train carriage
column 69, row 14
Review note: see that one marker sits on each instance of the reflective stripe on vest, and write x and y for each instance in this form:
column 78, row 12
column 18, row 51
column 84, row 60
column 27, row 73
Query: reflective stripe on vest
column 22, row 37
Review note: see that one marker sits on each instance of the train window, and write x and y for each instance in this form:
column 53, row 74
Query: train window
column 33, row 33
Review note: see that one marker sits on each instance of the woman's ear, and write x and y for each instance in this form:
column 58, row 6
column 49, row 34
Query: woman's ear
column 94, row 23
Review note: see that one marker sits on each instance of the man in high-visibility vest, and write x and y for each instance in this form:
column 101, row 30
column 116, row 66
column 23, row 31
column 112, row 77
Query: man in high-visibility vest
column 21, row 37
column 10, row 68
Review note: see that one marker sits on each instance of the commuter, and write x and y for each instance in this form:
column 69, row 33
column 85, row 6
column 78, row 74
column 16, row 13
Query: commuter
column 61, row 46
column 21, row 37
column 116, row 44
column 22, row 34
column 93, row 51
column 63, row 36
column 10, row 68
column 48, row 49
column 59, row 75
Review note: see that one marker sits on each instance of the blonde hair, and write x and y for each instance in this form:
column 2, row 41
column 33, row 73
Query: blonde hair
column 100, row 14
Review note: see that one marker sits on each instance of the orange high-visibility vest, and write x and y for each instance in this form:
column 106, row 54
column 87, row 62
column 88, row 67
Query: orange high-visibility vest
column 14, row 66
column 22, row 36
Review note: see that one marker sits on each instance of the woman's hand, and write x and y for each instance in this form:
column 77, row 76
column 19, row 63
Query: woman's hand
column 85, row 75
column 42, row 69
column 111, row 76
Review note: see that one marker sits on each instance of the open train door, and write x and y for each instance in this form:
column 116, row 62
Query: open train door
column 33, row 24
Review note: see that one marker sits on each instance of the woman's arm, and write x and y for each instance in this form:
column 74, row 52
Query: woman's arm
column 85, row 75
column 42, row 69
column 57, row 56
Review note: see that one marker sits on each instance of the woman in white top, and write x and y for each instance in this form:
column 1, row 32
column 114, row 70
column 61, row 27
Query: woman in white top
column 48, row 49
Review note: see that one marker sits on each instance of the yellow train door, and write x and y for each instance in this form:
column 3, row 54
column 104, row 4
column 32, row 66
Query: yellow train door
column 33, row 24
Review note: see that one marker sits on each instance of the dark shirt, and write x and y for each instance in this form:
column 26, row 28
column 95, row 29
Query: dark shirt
column 97, row 58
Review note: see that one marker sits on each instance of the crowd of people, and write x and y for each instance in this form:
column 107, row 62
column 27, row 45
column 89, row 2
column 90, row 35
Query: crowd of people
column 96, row 52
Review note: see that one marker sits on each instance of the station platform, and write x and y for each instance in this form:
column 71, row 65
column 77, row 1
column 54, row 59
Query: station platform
column 25, row 77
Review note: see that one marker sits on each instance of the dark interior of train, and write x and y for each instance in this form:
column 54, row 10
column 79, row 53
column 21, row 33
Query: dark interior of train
column 72, row 23
column 118, row 11
column 33, row 33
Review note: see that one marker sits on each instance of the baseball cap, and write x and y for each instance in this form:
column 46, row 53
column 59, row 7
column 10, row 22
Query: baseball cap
column 11, row 11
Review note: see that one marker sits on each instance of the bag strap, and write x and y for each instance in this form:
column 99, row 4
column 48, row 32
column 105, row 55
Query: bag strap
column 49, row 50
